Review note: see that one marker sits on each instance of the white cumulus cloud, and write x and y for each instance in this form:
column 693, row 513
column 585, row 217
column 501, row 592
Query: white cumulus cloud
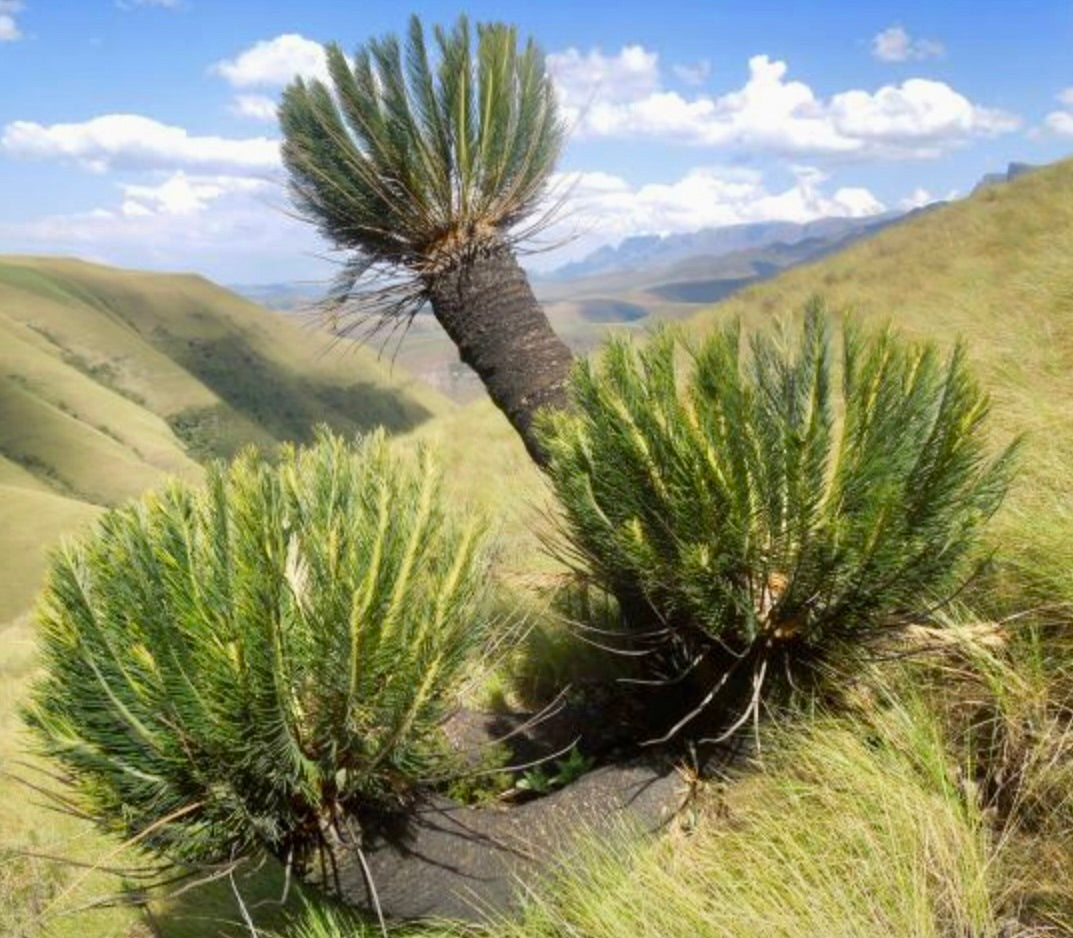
column 582, row 76
column 274, row 62
column 607, row 208
column 918, row 198
column 180, row 194
column 894, row 44
column 256, row 106
column 919, row 118
column 1061, row 122
column 918, row 110
column 133, row 142
column 9, row 27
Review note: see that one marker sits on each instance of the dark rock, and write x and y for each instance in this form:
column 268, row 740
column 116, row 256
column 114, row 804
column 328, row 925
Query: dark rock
column 1013, row 171
column 448, row 860
column 443, row 859
column 457, row 862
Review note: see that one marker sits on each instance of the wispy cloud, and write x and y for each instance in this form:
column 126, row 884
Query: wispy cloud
column 894, row 44
column 231, row 228
column 693, row 74
column 256, row 106
column 166, row 4
column 9, row 27
column 1061, row 122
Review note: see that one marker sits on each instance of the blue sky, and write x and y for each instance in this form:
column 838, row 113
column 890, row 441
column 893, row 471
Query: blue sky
column 141, row 132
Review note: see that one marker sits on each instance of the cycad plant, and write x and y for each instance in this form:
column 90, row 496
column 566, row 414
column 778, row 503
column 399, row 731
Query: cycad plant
column 756, row 507
column 260, row 662
column 428, row 168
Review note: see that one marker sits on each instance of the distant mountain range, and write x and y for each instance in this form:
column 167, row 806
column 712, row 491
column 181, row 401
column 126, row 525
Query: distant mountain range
column 642, row 280
column 652, row 251
column 648, row 252
column 648, row 255
column 787, row 243
column 631, row 285
column 288, row 296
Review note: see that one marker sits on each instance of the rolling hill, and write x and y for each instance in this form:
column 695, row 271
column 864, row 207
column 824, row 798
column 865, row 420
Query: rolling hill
column 111, row 379
column 995, row 269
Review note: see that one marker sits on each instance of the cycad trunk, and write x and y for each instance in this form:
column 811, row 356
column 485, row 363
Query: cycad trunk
column 487, row 307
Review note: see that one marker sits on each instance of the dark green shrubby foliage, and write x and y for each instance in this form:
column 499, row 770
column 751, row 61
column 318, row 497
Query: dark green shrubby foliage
column 244, row 664
column 745, row 495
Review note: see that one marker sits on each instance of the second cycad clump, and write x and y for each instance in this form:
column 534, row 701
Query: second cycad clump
column 755, row 505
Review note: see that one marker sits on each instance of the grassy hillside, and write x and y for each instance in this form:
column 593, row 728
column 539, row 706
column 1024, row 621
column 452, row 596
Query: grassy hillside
column 867, row 829
column 486, row 462
column 111, row 379
column 995, row 270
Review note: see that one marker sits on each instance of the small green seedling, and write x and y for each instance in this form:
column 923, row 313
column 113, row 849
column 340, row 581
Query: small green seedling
column 570, row 769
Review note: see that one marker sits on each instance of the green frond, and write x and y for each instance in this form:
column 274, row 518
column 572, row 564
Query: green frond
column 263, row 652
column 752, row 497
column 413, row 160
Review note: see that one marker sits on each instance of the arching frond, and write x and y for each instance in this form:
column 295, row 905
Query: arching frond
column 417, row 157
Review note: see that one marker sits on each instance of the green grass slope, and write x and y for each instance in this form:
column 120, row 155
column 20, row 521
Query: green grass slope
column 995, row 270
column 112, row 379
column 180, row 345
column 30, row 520
column 485, row 462
column 109, row 381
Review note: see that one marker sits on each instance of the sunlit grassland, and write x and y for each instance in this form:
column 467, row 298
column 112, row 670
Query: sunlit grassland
column 112, row 379
column 102, row 371
column 852, row 825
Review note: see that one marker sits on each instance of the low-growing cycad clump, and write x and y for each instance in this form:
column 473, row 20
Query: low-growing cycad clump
column 759, row 509
column 247, row 664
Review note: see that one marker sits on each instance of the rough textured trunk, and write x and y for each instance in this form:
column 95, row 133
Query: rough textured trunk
column 487, row 307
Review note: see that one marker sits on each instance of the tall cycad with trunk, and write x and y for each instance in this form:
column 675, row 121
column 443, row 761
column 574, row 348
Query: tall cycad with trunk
column 429, row 168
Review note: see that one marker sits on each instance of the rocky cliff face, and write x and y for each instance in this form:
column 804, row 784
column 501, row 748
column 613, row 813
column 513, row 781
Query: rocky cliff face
column 1013, row 171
